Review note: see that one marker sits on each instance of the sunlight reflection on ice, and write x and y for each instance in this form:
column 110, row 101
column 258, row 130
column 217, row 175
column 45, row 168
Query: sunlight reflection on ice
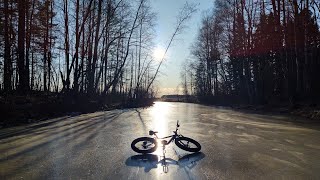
column 159, row 114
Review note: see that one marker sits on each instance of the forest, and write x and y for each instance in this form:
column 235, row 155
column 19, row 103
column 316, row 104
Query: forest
column 80, row 46
column 57, row 55
column 256, row 52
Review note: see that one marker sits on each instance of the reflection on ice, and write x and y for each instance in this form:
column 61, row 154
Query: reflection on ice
column 159, row 115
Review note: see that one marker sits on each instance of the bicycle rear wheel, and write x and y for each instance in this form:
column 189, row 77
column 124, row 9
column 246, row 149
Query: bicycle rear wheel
column 188, row 144
column 144, row 145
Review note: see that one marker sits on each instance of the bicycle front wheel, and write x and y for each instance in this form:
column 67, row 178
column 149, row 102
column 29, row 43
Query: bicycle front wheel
column 144, row 145
column 188, row 144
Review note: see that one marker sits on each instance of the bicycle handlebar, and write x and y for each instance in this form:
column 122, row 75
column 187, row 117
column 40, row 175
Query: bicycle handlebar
column 154, row 132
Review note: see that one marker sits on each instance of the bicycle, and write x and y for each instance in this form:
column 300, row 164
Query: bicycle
column 147, row 145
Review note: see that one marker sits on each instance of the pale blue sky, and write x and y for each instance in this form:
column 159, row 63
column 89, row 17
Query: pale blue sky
column 167, row 11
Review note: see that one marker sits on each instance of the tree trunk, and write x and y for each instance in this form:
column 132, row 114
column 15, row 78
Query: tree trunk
column 7, row 57
column 23, row 85
column 95, row 50
column 76, row 73
column 66, row 84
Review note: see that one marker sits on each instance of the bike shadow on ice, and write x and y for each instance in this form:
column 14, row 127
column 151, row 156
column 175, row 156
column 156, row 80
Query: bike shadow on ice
column 150, row 161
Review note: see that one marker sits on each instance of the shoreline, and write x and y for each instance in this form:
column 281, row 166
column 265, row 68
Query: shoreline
column 18, row 110
column 310, row 113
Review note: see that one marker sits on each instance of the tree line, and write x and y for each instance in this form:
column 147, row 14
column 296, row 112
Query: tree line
column 80, row 46
column 256, row 52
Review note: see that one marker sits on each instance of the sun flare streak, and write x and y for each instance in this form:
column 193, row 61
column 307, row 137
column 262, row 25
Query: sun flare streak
column 159, row 114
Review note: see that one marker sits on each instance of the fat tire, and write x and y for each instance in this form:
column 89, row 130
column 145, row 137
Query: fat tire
column 133, row 147
column 197, row 149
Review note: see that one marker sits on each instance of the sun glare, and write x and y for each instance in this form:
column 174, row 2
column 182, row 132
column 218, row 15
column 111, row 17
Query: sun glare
column 158, row 53
column 159, row 114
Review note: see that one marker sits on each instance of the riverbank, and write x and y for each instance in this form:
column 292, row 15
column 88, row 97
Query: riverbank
column 37, row 106
column 309, row 111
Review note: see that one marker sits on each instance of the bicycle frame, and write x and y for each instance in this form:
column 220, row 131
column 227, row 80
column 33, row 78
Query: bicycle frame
column 173, row 137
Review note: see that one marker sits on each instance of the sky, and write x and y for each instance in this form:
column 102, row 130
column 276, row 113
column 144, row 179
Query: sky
column 169, row 79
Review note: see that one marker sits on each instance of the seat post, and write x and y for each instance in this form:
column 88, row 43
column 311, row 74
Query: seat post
column 164, row 143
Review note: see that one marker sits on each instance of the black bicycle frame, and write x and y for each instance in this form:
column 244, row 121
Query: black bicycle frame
column 173, row 137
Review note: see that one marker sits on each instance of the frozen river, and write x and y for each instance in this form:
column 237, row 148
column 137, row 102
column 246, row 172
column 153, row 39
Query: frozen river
column 235, row 145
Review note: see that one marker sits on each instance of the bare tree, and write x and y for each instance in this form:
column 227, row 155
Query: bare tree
column 185, row 14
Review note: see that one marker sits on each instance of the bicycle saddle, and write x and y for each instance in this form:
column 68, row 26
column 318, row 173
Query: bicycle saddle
column 152, row 132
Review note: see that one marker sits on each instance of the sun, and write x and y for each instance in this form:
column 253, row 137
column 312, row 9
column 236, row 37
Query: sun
column 158, row 53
